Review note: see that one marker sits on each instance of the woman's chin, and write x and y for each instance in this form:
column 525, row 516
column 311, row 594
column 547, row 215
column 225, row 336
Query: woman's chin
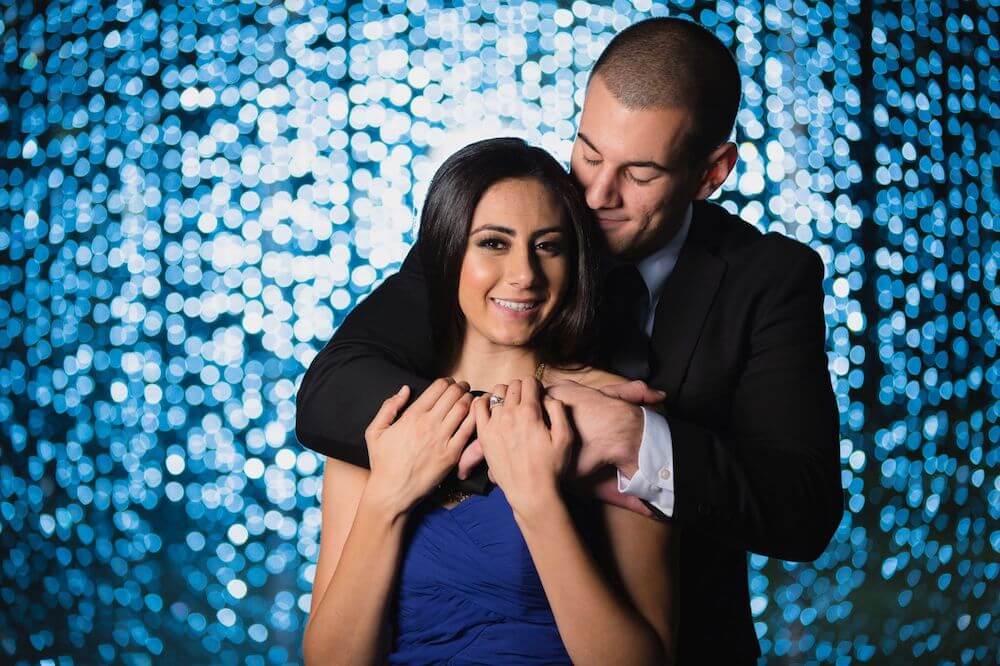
column 508, row 338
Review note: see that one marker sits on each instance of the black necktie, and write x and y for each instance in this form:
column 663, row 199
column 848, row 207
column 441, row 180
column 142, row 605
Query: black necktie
column 626, row 309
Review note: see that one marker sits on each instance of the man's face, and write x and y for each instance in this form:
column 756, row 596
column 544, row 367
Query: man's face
column 631, row 165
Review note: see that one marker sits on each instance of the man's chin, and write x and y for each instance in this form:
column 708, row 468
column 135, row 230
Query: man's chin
column 619, row 245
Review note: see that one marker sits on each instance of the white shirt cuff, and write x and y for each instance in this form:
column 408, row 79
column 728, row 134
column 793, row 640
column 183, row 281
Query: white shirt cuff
column 654, row 480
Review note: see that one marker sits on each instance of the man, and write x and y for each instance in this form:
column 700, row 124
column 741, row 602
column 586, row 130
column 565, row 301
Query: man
column 726, row 321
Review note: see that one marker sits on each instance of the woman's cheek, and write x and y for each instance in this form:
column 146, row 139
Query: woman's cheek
column 479, row 277
column 475, row 282
column 556, row 276
column 559, row 278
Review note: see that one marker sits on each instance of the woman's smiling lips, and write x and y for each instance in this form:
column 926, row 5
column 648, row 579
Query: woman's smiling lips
column 518, row 309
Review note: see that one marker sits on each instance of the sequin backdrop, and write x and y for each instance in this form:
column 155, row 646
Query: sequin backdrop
column 194, row 194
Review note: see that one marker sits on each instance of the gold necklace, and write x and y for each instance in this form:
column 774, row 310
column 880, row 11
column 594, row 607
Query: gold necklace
column 447, row 492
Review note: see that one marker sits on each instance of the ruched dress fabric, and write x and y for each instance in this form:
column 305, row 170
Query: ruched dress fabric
column 468, row 591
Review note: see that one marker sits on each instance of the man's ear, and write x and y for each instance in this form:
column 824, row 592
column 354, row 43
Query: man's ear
column 720, row 163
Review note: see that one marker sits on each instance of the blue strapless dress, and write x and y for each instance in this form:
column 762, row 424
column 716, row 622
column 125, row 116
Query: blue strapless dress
column 468, row 591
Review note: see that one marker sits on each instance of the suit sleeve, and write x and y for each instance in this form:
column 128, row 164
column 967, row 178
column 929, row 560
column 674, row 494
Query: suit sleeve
column 771, row 483
column 383, row 343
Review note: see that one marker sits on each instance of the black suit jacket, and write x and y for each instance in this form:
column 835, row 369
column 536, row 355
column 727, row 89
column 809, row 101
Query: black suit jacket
column 739, row 348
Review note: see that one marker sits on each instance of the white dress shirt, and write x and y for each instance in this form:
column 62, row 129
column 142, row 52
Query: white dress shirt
column 654, row 480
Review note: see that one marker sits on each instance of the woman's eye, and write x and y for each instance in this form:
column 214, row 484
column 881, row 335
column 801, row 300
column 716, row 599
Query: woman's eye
column 552, row 247
column 492, row 244
column 591, row 162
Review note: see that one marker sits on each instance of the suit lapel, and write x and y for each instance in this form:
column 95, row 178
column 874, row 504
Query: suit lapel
column 684, row 304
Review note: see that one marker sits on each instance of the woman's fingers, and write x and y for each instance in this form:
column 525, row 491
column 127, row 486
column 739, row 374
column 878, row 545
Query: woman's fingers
column 431, row 394
column 472, row 455
column 459, row 410
column 561, row 430
column 531, row 392
column 513, row 396
column 447, row 400
column 480, row 407
column 389, row 410
column 462, row 435
column 499, row 390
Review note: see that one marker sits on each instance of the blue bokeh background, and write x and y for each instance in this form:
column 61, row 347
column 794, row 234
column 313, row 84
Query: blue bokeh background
column 194, row 194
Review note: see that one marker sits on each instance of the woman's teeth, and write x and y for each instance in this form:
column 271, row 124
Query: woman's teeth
column 515, row 305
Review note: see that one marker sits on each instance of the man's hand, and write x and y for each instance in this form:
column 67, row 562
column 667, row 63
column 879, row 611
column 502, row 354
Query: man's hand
column 636, row 391
column 609, row 426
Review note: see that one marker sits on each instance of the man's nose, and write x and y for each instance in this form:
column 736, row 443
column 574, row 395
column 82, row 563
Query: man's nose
column 602, row 192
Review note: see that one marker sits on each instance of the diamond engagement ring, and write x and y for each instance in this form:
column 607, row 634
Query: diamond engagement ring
column 495, row 400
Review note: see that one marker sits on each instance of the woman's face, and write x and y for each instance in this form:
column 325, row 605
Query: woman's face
column 516, row 264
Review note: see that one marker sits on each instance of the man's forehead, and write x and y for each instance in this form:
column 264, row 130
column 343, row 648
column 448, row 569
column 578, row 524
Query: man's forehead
column 653, row 146
column 649, row 134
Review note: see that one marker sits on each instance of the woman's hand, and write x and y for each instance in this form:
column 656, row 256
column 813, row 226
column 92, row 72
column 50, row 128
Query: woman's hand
column 526, row 457
column 412, row 455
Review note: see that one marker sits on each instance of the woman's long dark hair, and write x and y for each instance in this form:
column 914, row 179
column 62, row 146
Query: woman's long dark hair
column 568, row 336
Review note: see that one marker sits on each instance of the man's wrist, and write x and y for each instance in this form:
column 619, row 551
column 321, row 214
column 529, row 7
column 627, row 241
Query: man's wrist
column 626, row 455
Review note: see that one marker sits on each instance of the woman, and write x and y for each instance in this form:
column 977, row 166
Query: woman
column 408, row 575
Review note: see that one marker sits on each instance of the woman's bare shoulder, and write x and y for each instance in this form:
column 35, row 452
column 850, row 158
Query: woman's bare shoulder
column 586, row 375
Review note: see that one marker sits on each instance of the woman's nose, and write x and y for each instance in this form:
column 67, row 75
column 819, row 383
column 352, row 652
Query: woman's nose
column 522, row 270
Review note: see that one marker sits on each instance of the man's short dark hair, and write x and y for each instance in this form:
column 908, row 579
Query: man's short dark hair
column 455, row 191
column 675, row 63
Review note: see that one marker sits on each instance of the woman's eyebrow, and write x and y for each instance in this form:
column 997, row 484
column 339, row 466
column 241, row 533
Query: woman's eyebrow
column 511, row 232
column 548, row 230
column 493, row 227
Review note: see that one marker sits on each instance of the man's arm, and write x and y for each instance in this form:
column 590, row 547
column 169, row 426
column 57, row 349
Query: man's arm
column 385, row 342
column 771, row 483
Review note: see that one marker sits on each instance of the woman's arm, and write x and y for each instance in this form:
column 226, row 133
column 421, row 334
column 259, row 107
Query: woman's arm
column 645, row 554
column 359, row 551
column 596, row 624
column 527, row 458
column 364, row 517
